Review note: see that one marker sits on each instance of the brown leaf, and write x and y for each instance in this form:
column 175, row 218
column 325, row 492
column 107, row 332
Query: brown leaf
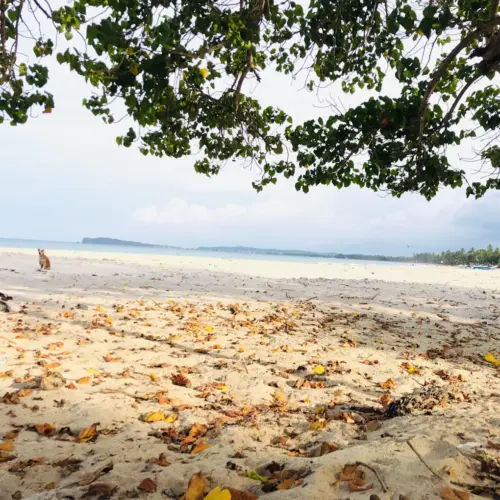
column 197, row 431
column 324, row 449
column 201, row 445
column 111, row 359
column 161, row 460
column 181, row 380
column 7, row 445
column 241, row 495
column 286, row 484
column 385, row 399
column 46, row 430
column 147, row 485
column 88, row 433
column 453, row 494
column 96, row 474
column 98, row 489
column 50, row 486
column 196, row 487
column 388, row 384
column 351, row 473
column 280, row 397
column 359, row 485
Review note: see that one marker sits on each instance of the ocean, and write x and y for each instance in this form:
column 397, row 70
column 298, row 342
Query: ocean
column 81, row 247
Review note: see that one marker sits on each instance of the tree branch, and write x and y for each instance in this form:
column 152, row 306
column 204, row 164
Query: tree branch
column 37, row 3
column 438, row 74
column 460, row 95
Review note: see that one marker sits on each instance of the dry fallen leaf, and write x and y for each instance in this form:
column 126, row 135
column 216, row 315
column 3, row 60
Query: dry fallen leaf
column 102, row 490
column 201, row 445
column 88, row 434
column 218, row 494
column 286, row 484
column 385, row 399
column 196, row 487
column 453, row 494
column 318, row 424
column 161, row 460
column 147, row 485
column 242, row 495
column 196, row 431
column 351, row 473
column 319, row 370
column 359, row 485
column 7, row 445
column 96, row 474
column 84, row 380
column 388, row 384
column 181, row 380
column 45, row 430
column 280, row 397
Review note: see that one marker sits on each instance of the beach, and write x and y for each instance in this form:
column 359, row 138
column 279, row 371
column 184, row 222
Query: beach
column 123, row 375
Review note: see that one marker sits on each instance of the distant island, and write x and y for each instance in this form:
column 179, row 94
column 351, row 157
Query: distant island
column 249, row 250
column 115, row 242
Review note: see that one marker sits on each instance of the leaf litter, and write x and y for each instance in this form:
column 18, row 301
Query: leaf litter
column 310, row 392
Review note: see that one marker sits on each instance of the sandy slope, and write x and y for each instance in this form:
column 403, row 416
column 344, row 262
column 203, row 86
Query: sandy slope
column 248, row 336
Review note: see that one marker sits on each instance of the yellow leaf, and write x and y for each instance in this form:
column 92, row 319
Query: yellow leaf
column 84, row 380
column 319, row 370
column 134, row 70
column 50, row 486
column 88, row 433
column 109, row 321
column 7, row 445
column 318, row 424
column 48, row 111
column 491, row 359
column 154, row 416
column 202, row 445
column 280, row 397
column 217, row 494
column 196, row 487
column 93, row 371
column 204, row 72
column 223, row 388
column 209, row 329
column 99, row 309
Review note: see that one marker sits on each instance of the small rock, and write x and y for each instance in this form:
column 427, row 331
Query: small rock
column 17, row 495
column 83, row 307
column 4, row 307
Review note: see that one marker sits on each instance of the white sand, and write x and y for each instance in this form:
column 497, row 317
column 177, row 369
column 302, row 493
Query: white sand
column 171, row 314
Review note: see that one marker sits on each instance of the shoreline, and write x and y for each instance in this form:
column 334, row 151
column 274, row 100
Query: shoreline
column 418, row 273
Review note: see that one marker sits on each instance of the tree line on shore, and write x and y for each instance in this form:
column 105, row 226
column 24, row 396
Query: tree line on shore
column 488, row 256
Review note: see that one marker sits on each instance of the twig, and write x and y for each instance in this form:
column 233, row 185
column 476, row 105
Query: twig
column 380, row 480
column 421, row 459
column 244, row 364
column 309, row 300
column 159, row 305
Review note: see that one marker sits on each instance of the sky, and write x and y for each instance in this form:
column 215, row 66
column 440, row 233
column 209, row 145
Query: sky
column 63, row 177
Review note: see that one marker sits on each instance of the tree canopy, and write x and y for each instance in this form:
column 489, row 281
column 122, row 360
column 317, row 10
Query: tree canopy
column 179, row 68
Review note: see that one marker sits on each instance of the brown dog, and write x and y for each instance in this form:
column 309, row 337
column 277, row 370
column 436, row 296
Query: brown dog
column 44, row 260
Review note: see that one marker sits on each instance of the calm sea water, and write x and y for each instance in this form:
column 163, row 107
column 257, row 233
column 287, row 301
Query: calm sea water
column 80, row 247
